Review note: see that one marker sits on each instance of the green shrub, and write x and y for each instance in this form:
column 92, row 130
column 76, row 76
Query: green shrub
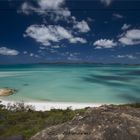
column 19, row 119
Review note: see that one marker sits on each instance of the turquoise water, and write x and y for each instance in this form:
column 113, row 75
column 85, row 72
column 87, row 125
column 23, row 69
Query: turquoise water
column 87, row 83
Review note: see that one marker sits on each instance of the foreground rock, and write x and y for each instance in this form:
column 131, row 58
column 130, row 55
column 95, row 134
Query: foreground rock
column 7, row 91
column 102, row 123
column 13, row 138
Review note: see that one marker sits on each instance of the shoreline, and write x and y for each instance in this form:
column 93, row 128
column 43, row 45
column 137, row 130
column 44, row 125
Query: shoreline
column 46, row 106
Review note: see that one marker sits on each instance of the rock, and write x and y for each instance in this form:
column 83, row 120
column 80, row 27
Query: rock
column 12, row 138
column 7, row 91
column 101, row 123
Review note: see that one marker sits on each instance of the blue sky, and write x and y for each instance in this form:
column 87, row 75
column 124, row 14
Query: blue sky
column 106, row 31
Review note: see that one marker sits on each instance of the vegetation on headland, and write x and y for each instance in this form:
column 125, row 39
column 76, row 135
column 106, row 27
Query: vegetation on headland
column 135, row 105
column 19, row 119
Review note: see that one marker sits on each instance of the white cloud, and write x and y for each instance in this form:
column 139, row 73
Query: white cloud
column 34, row 55
column 26, row 8
column 126, row 56
column 73, row 56
column 125, row 26
column 118, row 16
column 98, row 47
column 52, row 8
column 55, row 10
column 56, row 46
column 78, row 39
column 131, row 56
column 104, row 43
column 37, row 56
column 126, row 41
column 131, row 37
column 7, row 51
column 120, row 56
column 41, row 34
column 133, row 34
column 106, row 2
column 25, row 52
column 82, row 26
column 50, row 4
column 51, row 33
column 89, row 19
column 31, row 54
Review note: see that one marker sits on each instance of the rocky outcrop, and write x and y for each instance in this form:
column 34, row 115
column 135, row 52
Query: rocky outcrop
column 7, row 91
column 101, row 123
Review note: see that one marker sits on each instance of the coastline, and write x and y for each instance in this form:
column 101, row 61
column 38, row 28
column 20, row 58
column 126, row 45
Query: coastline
column 46, row 106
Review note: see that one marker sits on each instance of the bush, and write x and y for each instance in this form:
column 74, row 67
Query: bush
column 19, row 119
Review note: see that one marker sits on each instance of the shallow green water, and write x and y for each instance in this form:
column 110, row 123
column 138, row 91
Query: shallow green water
column 73, row 83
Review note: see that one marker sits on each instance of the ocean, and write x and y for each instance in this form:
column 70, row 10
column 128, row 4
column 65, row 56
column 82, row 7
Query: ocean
column 80, row 83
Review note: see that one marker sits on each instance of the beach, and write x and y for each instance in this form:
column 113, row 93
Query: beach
column 46, row 106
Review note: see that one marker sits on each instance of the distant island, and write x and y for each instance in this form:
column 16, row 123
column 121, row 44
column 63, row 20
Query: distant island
column 72, row 62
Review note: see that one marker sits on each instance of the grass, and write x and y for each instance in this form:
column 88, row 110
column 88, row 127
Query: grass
column 23, row 120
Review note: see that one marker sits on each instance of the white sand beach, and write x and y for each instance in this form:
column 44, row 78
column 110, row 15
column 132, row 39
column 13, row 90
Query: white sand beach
column 42, row 106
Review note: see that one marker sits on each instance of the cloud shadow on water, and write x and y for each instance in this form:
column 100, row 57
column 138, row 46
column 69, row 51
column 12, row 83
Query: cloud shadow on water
column 130, row 98
column 134, row 73
column 108, row 80
column 111, row 78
